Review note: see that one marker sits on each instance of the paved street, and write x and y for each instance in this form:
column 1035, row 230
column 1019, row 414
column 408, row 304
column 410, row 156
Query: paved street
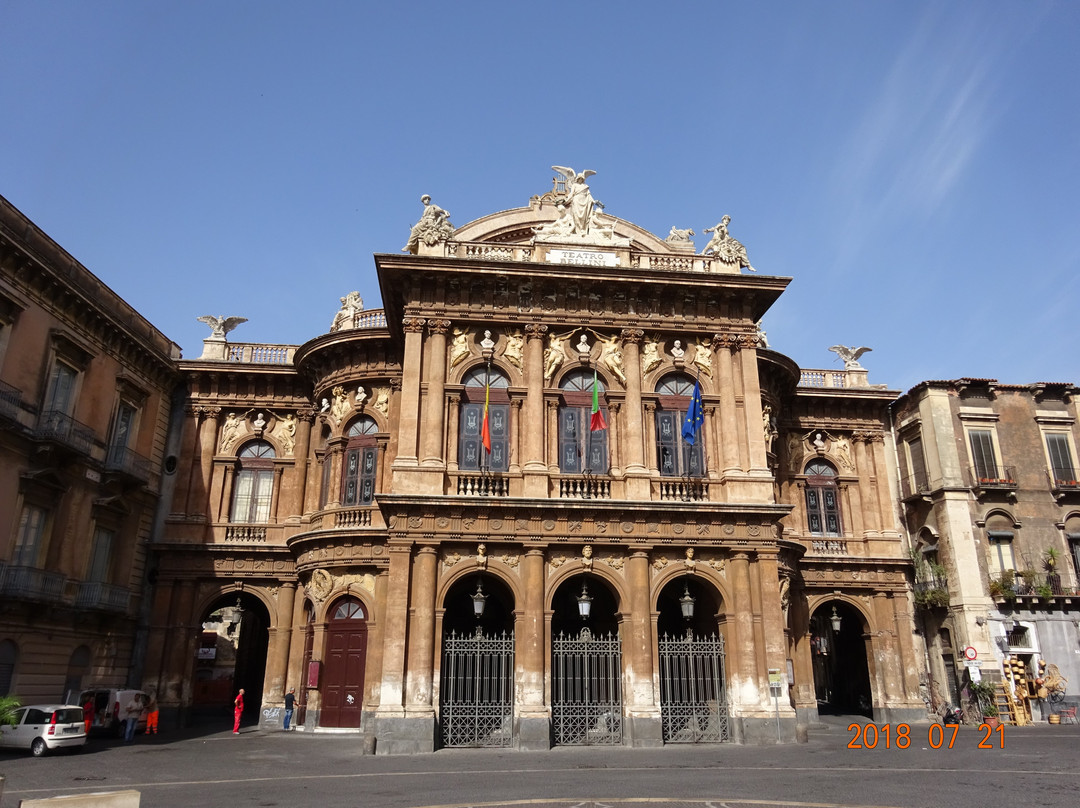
column 1039, row 766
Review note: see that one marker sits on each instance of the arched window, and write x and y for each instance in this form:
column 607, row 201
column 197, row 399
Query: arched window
column 674, row 456
column 78, row 668
column 472, row 455
column 822, row 501
column 349, row 609
column 582, row 449
column 254, row 483
column 9, row 655
column 361, row 463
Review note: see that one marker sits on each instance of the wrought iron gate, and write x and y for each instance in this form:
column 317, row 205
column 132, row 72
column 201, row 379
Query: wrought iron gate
column 587, row 681
column 477, row 692
column 693, row 699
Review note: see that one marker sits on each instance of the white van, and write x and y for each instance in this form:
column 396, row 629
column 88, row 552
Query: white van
column 109, row 706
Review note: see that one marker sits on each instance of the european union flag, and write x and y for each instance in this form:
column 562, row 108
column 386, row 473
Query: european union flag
column 695, row 416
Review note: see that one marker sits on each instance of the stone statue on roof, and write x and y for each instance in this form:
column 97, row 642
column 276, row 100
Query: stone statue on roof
column 850, row 355
column 351, row 305
column 579, row 220
column 434, row 226
column 727, row 249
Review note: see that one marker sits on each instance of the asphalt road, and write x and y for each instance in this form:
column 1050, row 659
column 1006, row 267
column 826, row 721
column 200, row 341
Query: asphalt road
column 1038, row 766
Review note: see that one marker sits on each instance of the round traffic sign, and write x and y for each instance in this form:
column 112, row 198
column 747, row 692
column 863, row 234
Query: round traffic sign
column 970, row 653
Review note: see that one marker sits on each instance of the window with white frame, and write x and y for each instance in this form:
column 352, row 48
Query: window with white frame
column 254, row 483
column 1001, row 551
column 1060, row 455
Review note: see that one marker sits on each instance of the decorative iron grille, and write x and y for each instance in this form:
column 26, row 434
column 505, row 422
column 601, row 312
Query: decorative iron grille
column 693, row 699
column 477, row 693
column 587, row 704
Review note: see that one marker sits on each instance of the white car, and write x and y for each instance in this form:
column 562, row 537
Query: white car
column 44, row 727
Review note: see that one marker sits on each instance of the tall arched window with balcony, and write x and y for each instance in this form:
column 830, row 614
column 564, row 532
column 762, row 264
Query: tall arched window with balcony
column 472, row 456
column 582, row 450
column 674, row 456
column 359, row 471
column 822, row 499
column 254, row 483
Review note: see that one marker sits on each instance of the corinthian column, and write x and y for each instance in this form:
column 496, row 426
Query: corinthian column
column 632, row 425
column 410, row 392
column 435, row 404
column 729, row 423
column 532, row 452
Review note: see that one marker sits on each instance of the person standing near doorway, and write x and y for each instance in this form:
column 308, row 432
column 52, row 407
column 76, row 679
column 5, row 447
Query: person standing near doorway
column 290, row 704
column 238, row 711
column 152, row 713
column 131, row 716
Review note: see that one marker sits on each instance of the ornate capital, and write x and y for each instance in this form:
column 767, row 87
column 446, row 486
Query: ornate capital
column 723, row 341
column 516, row 403
column 746, row 341
column 413, row 324
column 535, row 330
column 208, row 412
column 455, row 398
column 438, row 326
column 632, row 335
column 306, row 414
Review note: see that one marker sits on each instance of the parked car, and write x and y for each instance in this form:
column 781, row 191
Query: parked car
column 109, row 707
column 44, row 727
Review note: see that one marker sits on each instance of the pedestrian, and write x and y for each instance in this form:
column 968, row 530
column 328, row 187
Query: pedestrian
column 88, row 713
column 290, row 703
column 131, row 716
column 238, row 710
column 152, row 714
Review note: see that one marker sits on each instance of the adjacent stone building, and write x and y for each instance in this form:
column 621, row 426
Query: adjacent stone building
column 556, row 491
column 85, row 398
column 991, row 500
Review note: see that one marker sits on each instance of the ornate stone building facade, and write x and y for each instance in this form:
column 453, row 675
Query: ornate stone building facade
column 991, row 497
column 412, row 520
column 85, row 399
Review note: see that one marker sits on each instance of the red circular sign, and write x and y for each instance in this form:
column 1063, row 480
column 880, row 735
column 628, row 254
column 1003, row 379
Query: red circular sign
column 970, row 653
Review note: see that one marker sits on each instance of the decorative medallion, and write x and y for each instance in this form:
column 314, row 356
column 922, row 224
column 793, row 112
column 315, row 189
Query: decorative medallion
column 753, row 530
column 415, row 522
column 729, row 528
column 677, row 528
column 496, row 524
column 377, row 550
column 627, row 527
column 442, row 522
column 574, row 525
column 549, row 524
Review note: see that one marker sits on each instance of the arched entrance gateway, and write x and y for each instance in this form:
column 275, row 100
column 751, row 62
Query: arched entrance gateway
column 231, row 654
column 693, row 690
column 839, row 642
column 476, row 690
column 586, row 664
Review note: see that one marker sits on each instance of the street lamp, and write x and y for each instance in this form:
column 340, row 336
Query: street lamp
column 478, row 600
column 835, row 620
column 686, row 603
column 584, row 602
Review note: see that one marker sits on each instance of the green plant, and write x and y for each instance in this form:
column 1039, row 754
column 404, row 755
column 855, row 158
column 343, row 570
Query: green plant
column 990, row 711
column 930, row 598
column 8, row 706
column 1029, row 576
column 1003, row 586
column 1050, row 558
column 1044, row 591
column 937, row 571
column 983, row 693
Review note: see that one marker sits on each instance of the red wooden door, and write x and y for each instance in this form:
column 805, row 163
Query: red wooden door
column 343, row 674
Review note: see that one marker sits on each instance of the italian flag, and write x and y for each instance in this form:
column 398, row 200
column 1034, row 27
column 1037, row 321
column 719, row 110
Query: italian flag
column 485, row 429
column 597, row 420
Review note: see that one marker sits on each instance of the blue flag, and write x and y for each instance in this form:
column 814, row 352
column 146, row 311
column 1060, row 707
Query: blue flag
column 695, row 416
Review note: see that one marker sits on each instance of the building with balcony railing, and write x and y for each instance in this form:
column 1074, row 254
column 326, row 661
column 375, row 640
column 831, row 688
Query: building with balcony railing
column 987, row 493
column 85, row 393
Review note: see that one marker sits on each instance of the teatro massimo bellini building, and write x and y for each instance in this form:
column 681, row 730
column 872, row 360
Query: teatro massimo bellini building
column 337, row 513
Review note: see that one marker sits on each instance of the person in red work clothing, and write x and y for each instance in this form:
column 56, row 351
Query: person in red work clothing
column 88, row 714
column 238, row 710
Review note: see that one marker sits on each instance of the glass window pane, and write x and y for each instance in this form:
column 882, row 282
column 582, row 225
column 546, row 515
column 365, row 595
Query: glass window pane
column 982, row 453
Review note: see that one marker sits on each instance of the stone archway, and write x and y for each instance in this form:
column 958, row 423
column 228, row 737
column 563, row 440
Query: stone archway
column 231, row 655
column 838, row 643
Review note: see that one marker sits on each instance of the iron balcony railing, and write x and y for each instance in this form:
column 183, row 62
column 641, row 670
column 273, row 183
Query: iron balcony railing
column 32, row 584
column 124, row 460
column 10, row 401
column 103, row 597
column 59, row 427
column 1065, row 479
column 994, row 476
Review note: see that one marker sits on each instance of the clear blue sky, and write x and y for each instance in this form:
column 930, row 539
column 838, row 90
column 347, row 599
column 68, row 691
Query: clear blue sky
column 913, row 166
